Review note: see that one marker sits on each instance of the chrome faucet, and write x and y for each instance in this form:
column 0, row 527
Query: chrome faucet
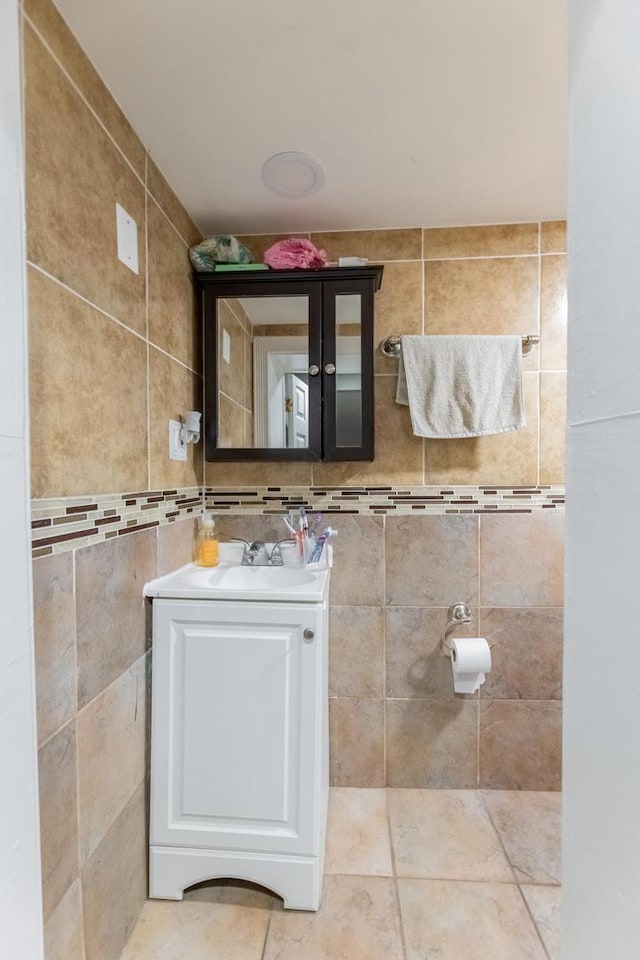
column 257, row 554
column 276, row 554
column 245, row 548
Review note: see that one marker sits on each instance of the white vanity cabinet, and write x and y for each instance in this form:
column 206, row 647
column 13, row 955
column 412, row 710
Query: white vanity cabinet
column 239, row 752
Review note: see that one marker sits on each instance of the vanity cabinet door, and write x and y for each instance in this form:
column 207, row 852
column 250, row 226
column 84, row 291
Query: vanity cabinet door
column 239, row 707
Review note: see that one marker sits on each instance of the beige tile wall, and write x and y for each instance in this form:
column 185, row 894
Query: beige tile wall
column 395, row 720
column 92, row 641
column 108, row 345
column 504, row 278
column 113, row 355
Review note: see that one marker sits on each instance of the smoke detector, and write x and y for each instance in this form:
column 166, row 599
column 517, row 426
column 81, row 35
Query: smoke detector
column 293, row 174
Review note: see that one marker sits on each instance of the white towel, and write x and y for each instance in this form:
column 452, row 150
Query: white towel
column 459, row 386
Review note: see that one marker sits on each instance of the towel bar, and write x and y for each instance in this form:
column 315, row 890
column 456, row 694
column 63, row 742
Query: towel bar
column 391, row 345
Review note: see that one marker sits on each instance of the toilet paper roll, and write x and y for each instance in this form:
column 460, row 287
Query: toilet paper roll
column 470, row 662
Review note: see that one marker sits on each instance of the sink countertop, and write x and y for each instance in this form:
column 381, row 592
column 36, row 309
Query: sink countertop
column 229, row 580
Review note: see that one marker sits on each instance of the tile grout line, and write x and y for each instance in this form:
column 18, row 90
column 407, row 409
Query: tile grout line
column 445, row 878
column 146, row 305
column 175, row 359
column 227, row 304
column 83, row 948
column 47, row 740
column 540, row 349
column 490, row 256
column 441, row 878
column 442, row 699
column 266, row 934
column 394, row 872
column 165, row 214
column 109, row 316
column 81, row 296
column 231, row 400
column 79, row 865
column 112, row 682
column 499, row 836
column 113, row 822
column 385, row 758
column 533, row 920
column 396, row 229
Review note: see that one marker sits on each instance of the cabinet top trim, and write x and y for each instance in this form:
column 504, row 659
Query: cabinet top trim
column 261, row 276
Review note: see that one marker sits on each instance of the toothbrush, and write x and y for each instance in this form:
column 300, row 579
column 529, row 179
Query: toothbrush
column 304, row 536
column 317, row 550
column 292, row 529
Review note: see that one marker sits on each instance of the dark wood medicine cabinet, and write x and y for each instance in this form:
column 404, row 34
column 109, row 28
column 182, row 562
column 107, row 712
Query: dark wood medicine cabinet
column 288, row 363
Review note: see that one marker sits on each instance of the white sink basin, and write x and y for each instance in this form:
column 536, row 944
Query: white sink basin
column 255, row 578
column 231, row 581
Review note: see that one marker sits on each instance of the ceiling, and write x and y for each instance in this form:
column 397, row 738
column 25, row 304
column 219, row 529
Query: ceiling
column 276, row 311
column 421, row 112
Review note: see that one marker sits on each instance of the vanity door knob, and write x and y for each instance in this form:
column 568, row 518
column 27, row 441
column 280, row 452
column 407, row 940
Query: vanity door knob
column 314, row 370
column 308, row 633
column 330, row 368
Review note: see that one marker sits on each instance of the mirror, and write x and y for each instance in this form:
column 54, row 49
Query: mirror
column 263, row 379
column 348, row 395
column 289, row 363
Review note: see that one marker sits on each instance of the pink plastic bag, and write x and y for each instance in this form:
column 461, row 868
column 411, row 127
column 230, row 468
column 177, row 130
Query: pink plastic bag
column 293, row 254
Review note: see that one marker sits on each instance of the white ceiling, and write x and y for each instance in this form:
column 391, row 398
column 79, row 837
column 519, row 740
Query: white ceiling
column 270, row 311
column 422, row 112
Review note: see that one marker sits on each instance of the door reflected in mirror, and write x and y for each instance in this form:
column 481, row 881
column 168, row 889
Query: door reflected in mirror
column 263, row 378
column 296, row 403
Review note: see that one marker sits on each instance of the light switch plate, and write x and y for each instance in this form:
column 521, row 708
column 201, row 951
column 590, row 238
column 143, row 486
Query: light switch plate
column 226, row 346
column 177, row 449
column 127, row 234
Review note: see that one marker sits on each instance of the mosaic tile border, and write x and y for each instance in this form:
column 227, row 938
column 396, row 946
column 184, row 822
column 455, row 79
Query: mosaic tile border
column 70, row 523
column 74, row 522
column 397, row 500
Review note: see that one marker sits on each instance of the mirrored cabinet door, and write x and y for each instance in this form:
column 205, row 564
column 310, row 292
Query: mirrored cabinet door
column 263, row 344
column 348, row 370
column 288, row 364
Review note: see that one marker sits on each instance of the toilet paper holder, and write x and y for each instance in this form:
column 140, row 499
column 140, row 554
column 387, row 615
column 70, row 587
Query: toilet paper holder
column 458, row 613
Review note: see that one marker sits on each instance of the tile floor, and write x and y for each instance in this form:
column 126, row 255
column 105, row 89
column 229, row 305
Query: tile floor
column 410, row 875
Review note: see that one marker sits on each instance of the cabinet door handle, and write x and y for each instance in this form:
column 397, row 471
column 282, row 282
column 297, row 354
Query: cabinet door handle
column 330, row 368
column 314, row 370
column 308, row 633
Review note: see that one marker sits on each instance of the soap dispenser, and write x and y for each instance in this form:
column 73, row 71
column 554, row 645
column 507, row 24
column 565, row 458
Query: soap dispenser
column 207, row 543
